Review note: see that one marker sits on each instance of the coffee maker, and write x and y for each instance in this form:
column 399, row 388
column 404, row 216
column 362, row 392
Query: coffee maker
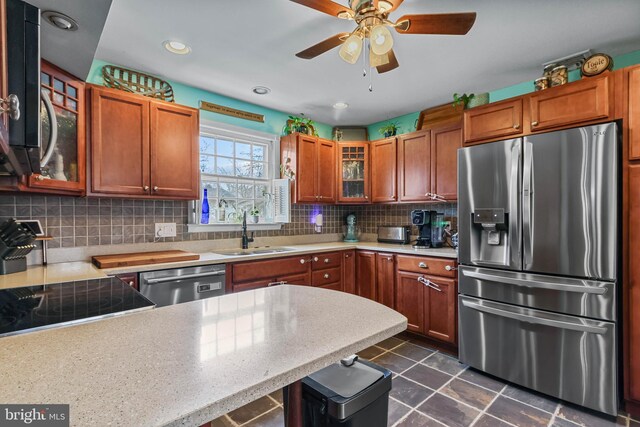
column 430, row 228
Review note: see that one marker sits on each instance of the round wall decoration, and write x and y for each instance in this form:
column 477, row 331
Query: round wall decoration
column 596, row 64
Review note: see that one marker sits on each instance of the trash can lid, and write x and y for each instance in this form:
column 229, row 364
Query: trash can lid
column 347, row 381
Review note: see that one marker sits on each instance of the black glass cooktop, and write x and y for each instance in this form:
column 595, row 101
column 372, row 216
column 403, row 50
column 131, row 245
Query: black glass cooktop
column 38, row 307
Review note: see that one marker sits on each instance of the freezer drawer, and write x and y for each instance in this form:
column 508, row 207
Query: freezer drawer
column 563, row 356
column 579, row 297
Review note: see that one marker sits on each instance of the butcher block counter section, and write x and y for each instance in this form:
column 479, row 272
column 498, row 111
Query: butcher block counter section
column 142, row 258
column 194, row 361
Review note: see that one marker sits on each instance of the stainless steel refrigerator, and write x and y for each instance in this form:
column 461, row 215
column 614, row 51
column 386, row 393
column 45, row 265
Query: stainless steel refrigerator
column 538, row 229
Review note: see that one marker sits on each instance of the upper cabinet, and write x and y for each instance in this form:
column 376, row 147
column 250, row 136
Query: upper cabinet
column 633, row 122
column 353, row 172
column 313, row 162
column 445, row 141
column 142, row 147
column 499, row 119
column 63, row 134
column 414, row 166
column 581, row 101
column 384, row 171
column 586, row 101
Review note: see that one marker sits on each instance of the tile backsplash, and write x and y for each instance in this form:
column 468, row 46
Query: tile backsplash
column 79, row 222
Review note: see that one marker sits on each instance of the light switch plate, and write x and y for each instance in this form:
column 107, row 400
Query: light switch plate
column 165, row 229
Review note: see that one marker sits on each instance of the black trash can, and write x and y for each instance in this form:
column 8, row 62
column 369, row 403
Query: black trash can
column 355, row 395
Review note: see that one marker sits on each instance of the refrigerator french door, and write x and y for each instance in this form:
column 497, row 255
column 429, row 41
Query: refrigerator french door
column 538, row 224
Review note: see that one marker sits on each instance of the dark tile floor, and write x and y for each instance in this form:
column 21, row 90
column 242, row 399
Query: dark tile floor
column 431, row 388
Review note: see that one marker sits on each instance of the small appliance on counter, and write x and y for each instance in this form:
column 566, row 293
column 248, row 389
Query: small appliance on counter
column 351, row 232
column 430, row 228
column 16, row 241
column 399, row 234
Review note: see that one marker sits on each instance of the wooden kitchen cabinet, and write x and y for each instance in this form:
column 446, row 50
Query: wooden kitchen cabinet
column 633, row 117
column 410, row 300
column 313, row 161
column 445, row 142
column 354, row 185
column 349, row 271
column 64, row 157
column 366, row 274
column 440, row 310
column 633, row 291
column 498, row 119
column 578, row 102
column 414, row 166
column 384, row 170
column 130, row 279
column 386, row 279
column 141, row 147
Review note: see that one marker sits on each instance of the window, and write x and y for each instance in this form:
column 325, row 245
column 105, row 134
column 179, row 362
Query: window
column 237, row 167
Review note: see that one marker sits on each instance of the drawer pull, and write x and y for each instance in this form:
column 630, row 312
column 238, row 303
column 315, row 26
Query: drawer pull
column 449, row 268
column 315, row 259
column 131, row 283
column 282, row 282
column 302, row 261
column 326, row 260
column 516, row 126
column 145, row 188
column 423, row 265
column 326, row 276
column 347, row 256
column 534, row 123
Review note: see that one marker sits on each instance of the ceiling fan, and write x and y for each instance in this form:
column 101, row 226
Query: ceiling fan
column 372, row 19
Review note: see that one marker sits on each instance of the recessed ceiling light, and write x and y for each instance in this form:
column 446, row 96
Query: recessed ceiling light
column 340, row 105
column 60, row 20
column 176, row 47
column 261, row 90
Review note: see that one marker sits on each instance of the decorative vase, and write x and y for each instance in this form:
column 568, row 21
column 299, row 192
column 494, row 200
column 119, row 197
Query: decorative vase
column 479, row 99
column 255, row 218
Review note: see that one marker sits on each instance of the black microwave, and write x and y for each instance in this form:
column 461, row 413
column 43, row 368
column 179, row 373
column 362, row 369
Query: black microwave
column 23, row 80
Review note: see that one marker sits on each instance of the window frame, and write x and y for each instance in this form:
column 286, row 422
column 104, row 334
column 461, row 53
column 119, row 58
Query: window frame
column 242, row 135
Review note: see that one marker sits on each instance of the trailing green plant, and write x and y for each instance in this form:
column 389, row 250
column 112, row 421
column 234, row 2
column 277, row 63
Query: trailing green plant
column 300, row 124
column 254, row 211
column 462, row 99
column 390, row 129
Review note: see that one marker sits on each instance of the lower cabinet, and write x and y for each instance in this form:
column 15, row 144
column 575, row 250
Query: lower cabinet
column 366, row 274
column 386, row 279
column 130, row 279
column 349, row 271
column 410, row 300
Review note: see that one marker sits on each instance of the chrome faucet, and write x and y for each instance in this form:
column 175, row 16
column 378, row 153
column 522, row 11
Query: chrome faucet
column 245, row 239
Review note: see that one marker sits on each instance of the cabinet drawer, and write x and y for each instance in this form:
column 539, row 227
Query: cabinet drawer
column 325, row 277
column 426, row 265
column 250, row 271
column 328, row 260
column 334, row 286
column 239, row 287
column 494, row 120
column 576, row 102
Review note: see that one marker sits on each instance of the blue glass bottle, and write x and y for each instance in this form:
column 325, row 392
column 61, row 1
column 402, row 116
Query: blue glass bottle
column 205, row 209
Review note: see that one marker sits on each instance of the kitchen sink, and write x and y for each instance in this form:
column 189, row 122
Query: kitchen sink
column 254, row 251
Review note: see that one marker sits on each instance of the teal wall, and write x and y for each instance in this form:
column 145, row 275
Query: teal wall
column 406, row 124
column 274, row 120
column 620, row 61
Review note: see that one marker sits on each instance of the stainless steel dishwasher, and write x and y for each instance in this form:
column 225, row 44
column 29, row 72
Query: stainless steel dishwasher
column 167, row 287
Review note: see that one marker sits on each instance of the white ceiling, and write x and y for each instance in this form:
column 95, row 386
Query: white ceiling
column 239, row 44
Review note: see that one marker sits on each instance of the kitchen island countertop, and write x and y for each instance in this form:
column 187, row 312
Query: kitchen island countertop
column 189, row 363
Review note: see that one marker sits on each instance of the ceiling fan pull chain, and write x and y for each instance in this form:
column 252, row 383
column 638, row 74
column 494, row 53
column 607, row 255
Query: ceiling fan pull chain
column 364, row 59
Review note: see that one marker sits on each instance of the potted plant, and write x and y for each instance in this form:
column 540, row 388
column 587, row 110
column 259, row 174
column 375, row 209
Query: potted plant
column 471, row 100
column 301, row 125
column 255, row 214
column 390, row 129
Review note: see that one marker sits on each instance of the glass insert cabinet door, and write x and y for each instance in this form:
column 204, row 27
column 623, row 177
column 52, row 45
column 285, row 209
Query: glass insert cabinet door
column 62, row 112
column 353, row 172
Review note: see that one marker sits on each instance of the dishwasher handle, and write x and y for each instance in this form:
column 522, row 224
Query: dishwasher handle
column 184, row 277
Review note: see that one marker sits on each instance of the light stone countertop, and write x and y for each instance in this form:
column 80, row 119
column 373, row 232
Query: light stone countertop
column 80, row 270
column 186, row 364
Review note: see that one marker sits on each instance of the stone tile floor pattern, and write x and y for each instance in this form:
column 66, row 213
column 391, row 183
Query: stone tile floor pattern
column 431, row 388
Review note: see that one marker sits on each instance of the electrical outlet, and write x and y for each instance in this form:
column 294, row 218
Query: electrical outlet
column 165, row 229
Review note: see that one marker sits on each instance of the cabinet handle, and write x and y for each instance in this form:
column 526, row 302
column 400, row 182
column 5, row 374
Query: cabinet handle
column 449, row 268
column 131, row 283
column 366, row 197
column 389, row 259
column 315, row 259
column 326, row 260
column 534, row 123
column 155, row 188
column 516, row 126
column 145, row 188
column 423, row 265
column 347, row 256
column 428, row 194
column 428, row 283
column 11, row 105
column 302, row 261
column 282, row 282
column 326, row 276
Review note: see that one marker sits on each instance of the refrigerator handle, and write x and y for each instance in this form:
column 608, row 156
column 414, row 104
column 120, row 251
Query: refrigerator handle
column 527, row 194
column 514, row 222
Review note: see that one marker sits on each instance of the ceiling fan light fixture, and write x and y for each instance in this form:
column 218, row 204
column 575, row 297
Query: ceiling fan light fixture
column 378, row 60
column 351, row 49
column 384, row 6
column 176, row 47
column 381, row 40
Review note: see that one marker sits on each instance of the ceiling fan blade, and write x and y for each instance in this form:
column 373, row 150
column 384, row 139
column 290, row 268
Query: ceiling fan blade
column 323, row 46
column 391, row 65
column 326, row 6
column 444, row 23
